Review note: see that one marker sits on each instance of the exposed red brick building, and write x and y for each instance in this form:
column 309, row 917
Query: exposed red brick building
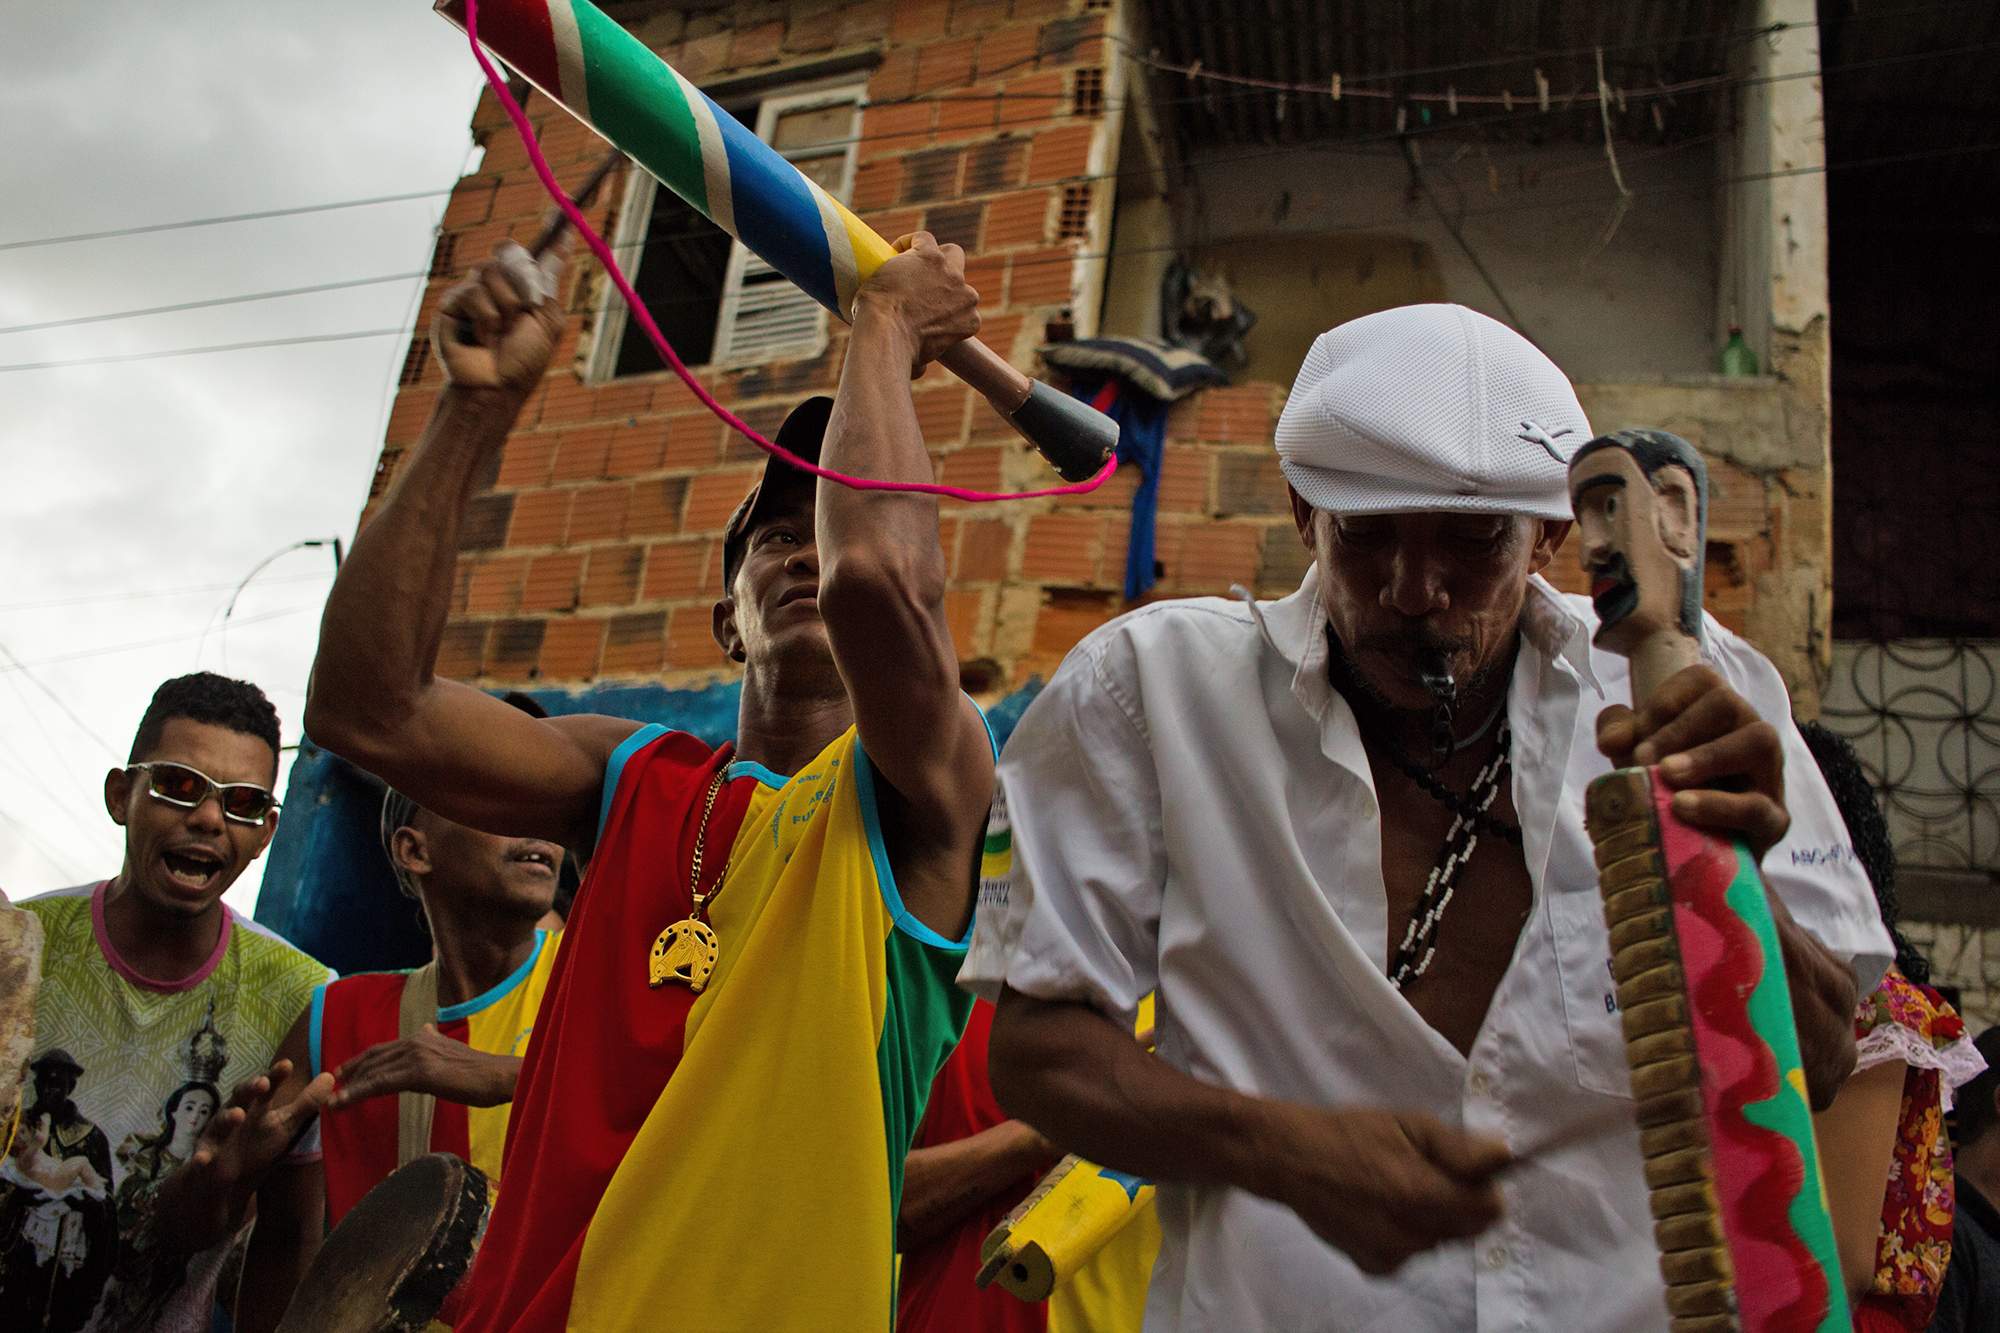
column 1011, row 127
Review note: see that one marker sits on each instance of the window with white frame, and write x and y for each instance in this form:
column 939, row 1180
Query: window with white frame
column 718, row 304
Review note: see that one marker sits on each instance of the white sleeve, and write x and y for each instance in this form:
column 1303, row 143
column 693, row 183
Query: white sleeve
column 1814, row 868
column 1078, row 917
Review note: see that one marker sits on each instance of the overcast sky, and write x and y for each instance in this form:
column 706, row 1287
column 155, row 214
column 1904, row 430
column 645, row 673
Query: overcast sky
column 136, row 495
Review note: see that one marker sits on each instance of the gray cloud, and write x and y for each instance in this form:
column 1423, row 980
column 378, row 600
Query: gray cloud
column 179, row 472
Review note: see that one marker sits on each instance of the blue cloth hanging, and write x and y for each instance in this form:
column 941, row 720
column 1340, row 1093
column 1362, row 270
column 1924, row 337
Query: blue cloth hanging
column 1142, row 437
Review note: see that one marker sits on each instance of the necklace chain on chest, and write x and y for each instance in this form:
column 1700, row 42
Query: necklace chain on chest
column 1419, row 943
column 687, row 950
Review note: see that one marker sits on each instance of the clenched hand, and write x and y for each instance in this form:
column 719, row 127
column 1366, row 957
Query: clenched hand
column 498, row 328
column 1725, row 763
column 1382, row 1186
column 924, row 291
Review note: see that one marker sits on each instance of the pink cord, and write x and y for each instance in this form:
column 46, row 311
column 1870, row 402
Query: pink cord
column 659, row 340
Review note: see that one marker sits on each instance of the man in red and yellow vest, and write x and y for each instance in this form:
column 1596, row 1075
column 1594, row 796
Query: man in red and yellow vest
column 426, row 1060
column 756, row 984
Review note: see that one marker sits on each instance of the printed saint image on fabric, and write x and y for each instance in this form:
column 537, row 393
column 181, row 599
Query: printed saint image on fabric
column 127, row 1073
column 67, row 1201
column 57, row 1235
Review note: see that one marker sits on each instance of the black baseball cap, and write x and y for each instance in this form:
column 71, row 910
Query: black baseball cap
column 802, row 434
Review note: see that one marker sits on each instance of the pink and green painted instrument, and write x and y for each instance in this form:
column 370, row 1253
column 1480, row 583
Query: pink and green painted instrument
column 1732, row 1168
column 607, row 78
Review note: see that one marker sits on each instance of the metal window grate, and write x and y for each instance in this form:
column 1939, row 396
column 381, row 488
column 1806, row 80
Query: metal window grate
column 1087, row 92
column 1073, row 220
column 415, row 360
column 444, row 254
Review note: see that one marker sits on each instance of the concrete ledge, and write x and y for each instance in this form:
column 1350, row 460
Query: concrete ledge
column 1949, row 897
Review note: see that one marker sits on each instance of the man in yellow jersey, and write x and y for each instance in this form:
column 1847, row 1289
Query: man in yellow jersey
column 451, row 1034
column 755, row 988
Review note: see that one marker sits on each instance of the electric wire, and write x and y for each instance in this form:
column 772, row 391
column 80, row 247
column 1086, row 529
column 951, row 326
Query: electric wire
column 109, row 649
column 203, row 351
column 1348, row 84
column 24, row 668
column 217, row 301
column 1066, row 257
column 148, row 594
column 258, row 216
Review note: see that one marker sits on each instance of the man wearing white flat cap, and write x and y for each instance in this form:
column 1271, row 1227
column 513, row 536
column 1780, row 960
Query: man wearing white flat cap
column 1342, row 834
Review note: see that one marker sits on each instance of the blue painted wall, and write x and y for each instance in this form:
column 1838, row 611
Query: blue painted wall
column 328, row 887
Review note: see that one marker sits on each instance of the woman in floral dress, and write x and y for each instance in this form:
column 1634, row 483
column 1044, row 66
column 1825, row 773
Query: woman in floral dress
column 1887, row 1124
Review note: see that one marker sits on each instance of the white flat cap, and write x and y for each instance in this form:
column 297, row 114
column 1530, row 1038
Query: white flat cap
column 1430, row 407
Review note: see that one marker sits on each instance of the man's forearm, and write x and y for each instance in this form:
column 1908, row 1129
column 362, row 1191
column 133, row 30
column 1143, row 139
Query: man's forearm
column 393, row 595
column 1077, row 1077
column 503, row 1073
column 948, row 1183
column 873, row 433
column 1823, row 1003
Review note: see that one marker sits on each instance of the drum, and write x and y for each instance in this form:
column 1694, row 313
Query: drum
column 397, row 1256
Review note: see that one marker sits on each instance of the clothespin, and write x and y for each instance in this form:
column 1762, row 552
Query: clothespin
column 1542, row 89
column 1402, row 117
column 1506, row 99
column 1194, row 72
column 1659, row 119
column 1283, row 97
column 1450, row 99
column 1336, row 85
column 1619, row 93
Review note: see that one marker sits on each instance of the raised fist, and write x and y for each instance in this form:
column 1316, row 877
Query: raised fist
column 499, row 327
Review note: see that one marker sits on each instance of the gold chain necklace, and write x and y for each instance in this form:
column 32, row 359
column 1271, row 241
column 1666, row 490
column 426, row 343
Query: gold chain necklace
column 686, row 951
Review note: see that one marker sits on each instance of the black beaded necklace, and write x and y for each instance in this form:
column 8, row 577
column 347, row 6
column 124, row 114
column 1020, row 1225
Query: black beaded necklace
column 1418, row 945
column 1467, row 807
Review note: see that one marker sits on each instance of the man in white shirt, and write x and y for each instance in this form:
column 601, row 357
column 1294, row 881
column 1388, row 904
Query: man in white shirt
column 1342, row 834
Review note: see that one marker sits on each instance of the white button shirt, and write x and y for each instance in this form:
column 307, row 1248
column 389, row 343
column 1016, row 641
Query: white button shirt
column 1193, row 811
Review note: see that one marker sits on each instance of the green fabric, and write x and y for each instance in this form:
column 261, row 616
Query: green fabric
column 1770, row 1012
column 926, row 1016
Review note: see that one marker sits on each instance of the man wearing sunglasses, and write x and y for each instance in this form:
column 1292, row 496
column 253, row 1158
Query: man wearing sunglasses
column 755, row 986
column 156, row 1001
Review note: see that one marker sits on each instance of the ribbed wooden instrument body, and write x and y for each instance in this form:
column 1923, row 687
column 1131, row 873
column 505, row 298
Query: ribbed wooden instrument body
column 1739, row 1209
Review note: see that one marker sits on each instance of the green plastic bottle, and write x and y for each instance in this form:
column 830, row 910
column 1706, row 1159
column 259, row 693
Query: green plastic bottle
column 1737, row 358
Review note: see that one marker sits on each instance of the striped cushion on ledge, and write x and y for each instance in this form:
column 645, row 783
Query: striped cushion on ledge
column 1160, row 369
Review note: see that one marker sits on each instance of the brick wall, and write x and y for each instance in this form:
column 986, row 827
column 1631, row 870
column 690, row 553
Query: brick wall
column 591, row 554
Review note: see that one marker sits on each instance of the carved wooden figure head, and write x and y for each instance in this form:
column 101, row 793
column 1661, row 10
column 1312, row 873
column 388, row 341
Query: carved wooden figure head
column 1641, row 501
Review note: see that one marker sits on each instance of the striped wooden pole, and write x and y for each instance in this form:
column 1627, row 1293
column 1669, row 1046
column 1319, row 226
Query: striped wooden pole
column 586, row 63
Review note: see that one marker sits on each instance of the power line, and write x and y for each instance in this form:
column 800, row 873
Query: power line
column 149, row 594
column 56, row 859
column 218, row 221
column 1069, row 257
column 202, row 351
column 216, row 301
column 61, row 758
column 109, row 649
column 56, row 699
column 1252, row 87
